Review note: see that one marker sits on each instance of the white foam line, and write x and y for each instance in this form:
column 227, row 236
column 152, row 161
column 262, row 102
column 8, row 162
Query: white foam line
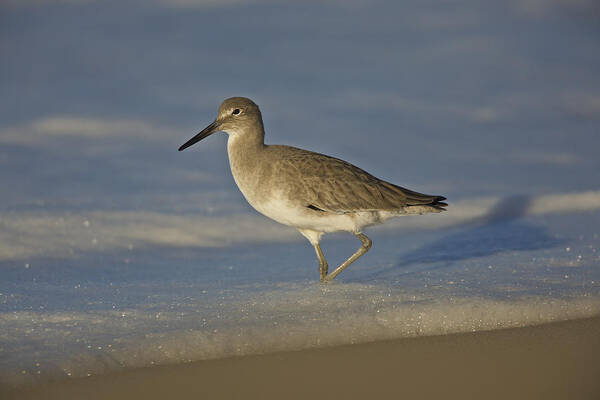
column 112, row 350
column 565, row 202
column 24, row 235
column 28, row 235
column 474, row 210
column 70, row 126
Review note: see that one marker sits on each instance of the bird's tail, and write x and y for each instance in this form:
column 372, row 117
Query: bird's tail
column 418, row 203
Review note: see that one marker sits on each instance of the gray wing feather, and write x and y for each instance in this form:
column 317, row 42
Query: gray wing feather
column 335, row 185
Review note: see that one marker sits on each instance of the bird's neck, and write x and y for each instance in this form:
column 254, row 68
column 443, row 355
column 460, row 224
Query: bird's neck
column 244, row 148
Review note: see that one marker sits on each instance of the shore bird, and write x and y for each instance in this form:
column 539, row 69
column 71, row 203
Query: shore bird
column 312, row 192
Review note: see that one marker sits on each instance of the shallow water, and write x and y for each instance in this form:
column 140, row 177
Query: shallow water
column 117, row 251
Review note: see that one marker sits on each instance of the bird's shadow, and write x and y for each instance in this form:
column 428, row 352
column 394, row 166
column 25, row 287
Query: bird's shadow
column 500, row 230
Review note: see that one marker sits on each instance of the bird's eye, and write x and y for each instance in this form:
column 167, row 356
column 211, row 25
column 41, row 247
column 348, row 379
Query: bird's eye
column 236, row 111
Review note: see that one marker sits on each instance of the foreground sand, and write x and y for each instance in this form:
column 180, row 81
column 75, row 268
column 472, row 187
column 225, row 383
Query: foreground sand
column 553, row 361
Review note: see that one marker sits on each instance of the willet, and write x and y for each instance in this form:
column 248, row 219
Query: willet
column 312, row 192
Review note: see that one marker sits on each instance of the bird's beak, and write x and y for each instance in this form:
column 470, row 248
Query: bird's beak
column 209, row 130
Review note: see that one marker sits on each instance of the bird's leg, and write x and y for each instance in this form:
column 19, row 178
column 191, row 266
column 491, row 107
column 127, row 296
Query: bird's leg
column 322, row 262
column 364, row 247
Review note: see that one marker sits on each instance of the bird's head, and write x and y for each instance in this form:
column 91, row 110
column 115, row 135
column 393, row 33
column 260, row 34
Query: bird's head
column 235, row 116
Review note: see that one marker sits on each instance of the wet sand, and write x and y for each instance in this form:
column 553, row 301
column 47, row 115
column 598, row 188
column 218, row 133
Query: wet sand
column 553, row 361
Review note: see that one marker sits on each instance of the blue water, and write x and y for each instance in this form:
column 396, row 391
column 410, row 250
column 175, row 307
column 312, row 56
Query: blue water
column 117, row 251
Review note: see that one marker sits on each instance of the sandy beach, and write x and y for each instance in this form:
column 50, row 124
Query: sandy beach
column 553, row 361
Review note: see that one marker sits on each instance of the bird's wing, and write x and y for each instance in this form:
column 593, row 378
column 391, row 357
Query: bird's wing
column 334, row 185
